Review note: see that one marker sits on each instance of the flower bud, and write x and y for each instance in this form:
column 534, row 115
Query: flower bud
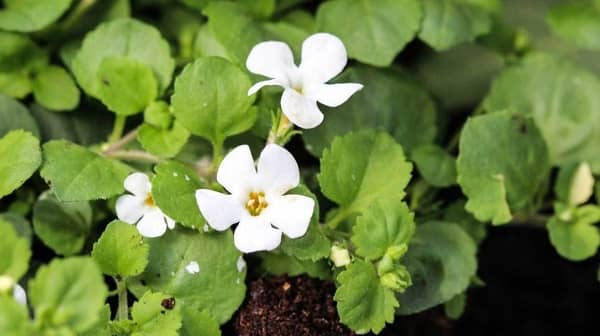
column 339, row 256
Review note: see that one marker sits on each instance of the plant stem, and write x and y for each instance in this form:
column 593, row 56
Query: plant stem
column 76, row 14
column 278, row 134
column 530, row 219
column 133, row 155
column 123, row 305
column 123, row 309
column 337, row 219
column 124, row 141
column 217, row 157
column 118, row 127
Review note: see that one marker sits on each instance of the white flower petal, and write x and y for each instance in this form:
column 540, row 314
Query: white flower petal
column 138, row 184
column 255, row 234
column 152, row 224
column 262, row 84
column 130, row 208
column 333, row 95
column 291, row 214
column 170, row 222
column 300, row 110
column 323, row 57
column 219, row 210
column 271, row 59
column 19, row 294
column 237, row 172
column 278, row 171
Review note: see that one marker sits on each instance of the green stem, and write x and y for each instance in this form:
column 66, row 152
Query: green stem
column 217, row 157
column 124, row 141
column 339, row 217
column 133, row 155
column 279, row 135
column 118, row 128
column 123, row 304
column 76, row 14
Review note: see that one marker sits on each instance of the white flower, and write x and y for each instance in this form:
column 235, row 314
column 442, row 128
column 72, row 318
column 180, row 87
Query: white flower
column 323, row 57
column 20, row 295
column 140, row 207
column 7, row 283
column 257, row 201
column 193, row 267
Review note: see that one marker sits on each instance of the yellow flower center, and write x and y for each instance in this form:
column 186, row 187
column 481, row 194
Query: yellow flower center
column 299, row 89
column 149, row 201
column 256, row 203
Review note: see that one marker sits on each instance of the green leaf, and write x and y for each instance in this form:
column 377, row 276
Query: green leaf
column 443, row 74
column 19, row 223
column 127, row 38
column 456, row 213
column 314, row 245
column 447, row 23
column 221, row 110
column 62, row 226
column 174, row 190
column 152, row 318
column 436, row 166
column 577, row 22
column 383, row 225
column 101, row 328
column 83, row 127
column 234, row 29
column 31, row 15
column 127, row 86
column 121, row 250
column 158, row 114
column 386, row 26
column 279, row 264
column 14, row 251
column 362, row 167
column 22, row 157
column 389, row 100
column 362, row 302
column 575, row 237
column 76, row 174
column 569, row 121
column 574, row 184
column 196, row 322
column 54, row 88
column 502, row 164
column 165, row 143
column 14, row 318
column 13, row 115
column 441, row 260
column 455, row 308
column 219, row 286
column 68, row 293
column 18, row 57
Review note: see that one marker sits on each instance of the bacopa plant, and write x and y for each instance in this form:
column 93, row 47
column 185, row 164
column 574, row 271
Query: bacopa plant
column 283, row 167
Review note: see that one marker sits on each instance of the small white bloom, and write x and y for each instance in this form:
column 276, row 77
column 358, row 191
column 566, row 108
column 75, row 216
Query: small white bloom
column 323, row 57
column 140, row 207
column 192, row 267
column 340, row 256
column 20, row 295
column 7, row 283
column 257, row 201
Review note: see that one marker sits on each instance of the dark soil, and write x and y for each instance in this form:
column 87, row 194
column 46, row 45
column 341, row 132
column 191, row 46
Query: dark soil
column 284, row 306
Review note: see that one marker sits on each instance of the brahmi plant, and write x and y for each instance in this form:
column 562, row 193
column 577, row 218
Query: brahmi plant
column 155, row 153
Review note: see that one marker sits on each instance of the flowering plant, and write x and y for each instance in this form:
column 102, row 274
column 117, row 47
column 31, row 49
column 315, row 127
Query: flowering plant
column 131, row 202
